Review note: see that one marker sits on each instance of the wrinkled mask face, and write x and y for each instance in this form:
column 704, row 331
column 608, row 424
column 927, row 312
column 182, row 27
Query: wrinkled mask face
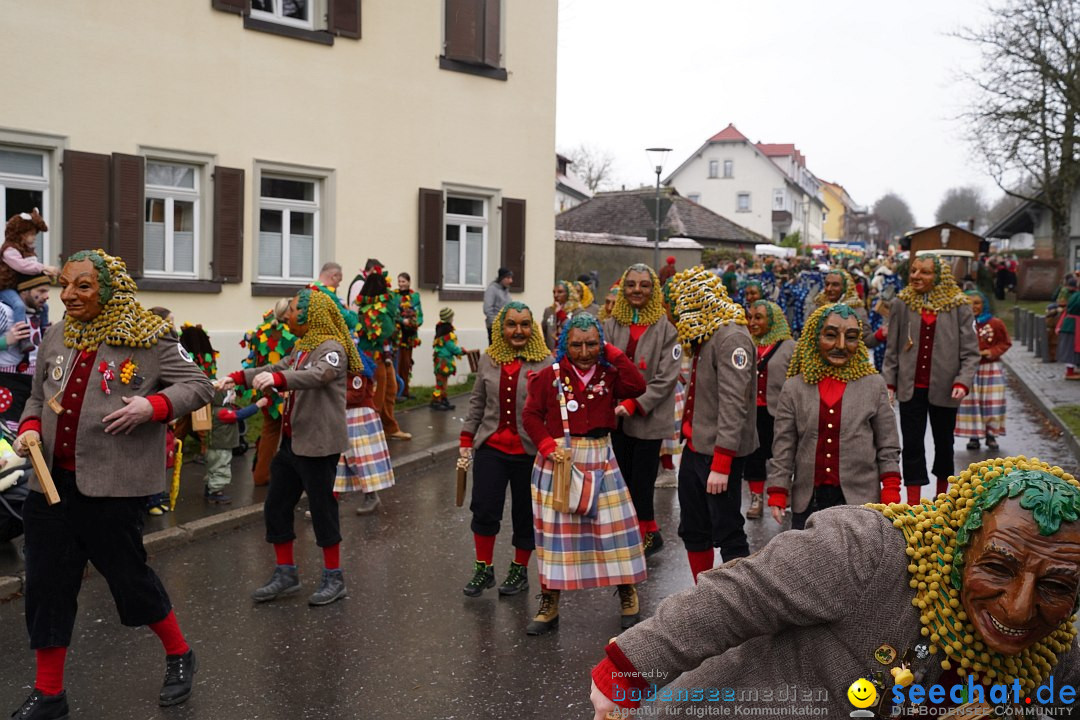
column 517, row 328
column 583, row 347
column 834, row 287
column 80, row 290
column 838, row 340
column 752, row 294
column 637, row 288
column 757, row 321
column 559, row 294
column 609, row 302
column 292, row 319
column 1018, row 585
column 921, row 276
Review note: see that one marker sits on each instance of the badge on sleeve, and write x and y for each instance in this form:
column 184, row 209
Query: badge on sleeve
column 184, row 353
column 676, row 352
column 356, row 382
column 333, row 358
column 57, row 373
column 739, row 358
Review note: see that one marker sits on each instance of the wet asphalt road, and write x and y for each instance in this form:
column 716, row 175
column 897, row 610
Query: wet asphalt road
column 405, row 643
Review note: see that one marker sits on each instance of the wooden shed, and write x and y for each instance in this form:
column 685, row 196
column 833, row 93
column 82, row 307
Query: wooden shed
column 944, row 236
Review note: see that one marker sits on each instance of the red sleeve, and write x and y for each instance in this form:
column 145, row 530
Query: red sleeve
column 546, row 446
column 721, row 460
column 891, row 387
column 162, row 407
column 30, row 423
column 534, row 415
column 961, row 385
column 880, row 335
column 279, row 382
column 226, row 416
column 890, row 488
column 465, row 439
column 238, row 378
column 777, row 497
column 632, row 407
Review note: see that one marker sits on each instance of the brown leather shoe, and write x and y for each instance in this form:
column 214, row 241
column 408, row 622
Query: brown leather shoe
column 757, row 506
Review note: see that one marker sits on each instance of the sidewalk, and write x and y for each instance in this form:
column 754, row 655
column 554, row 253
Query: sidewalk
column 435, row 437
column 1044, row 383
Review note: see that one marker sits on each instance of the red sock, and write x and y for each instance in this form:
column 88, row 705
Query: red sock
column 168, row 631
column 284, row 553
column 700, row 561
column 331, row 557
column 648, row 526
column 521, row 557
column 914, row 492
column 485, row 548
column 942, row 485
column 50, row 670
column 756, row 486
column 667, row 462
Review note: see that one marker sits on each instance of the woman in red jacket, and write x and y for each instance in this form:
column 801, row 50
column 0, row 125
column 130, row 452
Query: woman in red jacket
column 983, row 411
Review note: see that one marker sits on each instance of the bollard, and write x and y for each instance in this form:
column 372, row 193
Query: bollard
column 1021, row 326
column 1044, row 335
column 1039, row 331
column 1029, row 338
column 1017, row 312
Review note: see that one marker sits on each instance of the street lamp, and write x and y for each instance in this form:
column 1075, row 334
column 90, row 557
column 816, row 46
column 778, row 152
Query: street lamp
column 657, row 156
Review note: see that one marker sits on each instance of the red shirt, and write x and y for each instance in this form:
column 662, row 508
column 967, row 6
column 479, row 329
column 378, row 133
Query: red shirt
column 926, row 349
column 636, row 331
column 505, row 438
column 827, row 452
column 67, row 426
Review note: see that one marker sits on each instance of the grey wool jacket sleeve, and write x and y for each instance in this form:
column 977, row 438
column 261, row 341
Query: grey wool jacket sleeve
column 781, row 466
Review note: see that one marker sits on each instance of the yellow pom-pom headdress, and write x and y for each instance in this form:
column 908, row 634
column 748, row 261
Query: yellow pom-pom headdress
column 325, row 322
column 807, row 358
column 944, row 296
column 501, row 352
column 849, row 295
column 701, row 305
column 653, row 311
column 778, row 324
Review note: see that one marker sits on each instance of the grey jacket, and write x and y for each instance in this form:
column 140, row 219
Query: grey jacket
column 808, row 610
column 725, row 393
column 485, row 406
column 116, row 465
column 658, row 357
column 955, row 357
column 867, row 333
column 777, row 373
column 317, row 394
column 869, row 442
column 495, row 296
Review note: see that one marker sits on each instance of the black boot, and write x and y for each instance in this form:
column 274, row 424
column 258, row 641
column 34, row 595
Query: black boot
column 653, row 542
column 284, row 581
column 330, row 589
column 179, row 677
column 482, row 579
column 517, row 580
column 40, row 706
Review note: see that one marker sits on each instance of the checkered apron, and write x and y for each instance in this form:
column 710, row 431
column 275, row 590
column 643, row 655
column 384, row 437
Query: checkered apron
column 574, row 552
column 983, row 409
column 365, row 464
column 673, row 445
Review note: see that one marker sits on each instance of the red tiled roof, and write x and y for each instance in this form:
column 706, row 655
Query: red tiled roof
column 729, row 134
column 782, row 150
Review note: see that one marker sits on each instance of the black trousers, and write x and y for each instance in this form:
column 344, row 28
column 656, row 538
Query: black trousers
column 913, row 415
column 707, row 520
column 639, row 461
column 106, row 531
column 493, row 470
column 825, row 496
column 756, row 468
column 290, row 476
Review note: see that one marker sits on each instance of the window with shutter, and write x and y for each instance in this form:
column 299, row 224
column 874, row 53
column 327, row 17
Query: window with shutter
column 86, row 201
column 344, row 17
column 24, row 185
column 430, row 238
column 172, row 219
column 126, row 228
column 513, row 240
column 228, row 224
column 472, row 39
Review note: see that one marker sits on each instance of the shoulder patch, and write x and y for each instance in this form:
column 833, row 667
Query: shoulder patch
column 676, row 352
column 184, row 353
column 333, row 358
column 740, row 358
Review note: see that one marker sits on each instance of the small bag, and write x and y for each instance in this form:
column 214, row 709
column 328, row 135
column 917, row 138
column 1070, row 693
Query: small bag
column 585, row 490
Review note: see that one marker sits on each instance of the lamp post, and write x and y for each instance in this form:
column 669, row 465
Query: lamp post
column 657, row 155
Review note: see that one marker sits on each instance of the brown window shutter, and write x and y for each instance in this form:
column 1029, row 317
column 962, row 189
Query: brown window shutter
column 464, row 30
column 492, row 26
column 513, row 240
column 228, row 262
column 86, row 201
column 344, row 18
column 240, row 7
column 128, row 191
column 431, row 238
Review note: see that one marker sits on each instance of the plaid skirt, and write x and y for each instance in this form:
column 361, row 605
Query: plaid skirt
column 574, row 552
column 365, row 464
column 673, row 445
column 982, row 412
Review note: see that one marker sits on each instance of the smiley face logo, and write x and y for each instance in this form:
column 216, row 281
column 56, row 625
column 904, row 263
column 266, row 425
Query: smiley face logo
column 862, row 693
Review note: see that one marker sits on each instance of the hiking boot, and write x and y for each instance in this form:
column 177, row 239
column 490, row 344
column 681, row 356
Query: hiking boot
column 517, row 580
column 401, row 435
column 284, row 581
column 757, row 506
column 330, row 589
column 630, row 611
column 973, row 444
column 482, row 579
column 217, row 497
column 369, row 504
column 653, row 542
column 179, row 678
column 40, row 706
column 547, row 617
column 991, row 442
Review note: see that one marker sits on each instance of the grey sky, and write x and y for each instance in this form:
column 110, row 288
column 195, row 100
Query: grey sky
column 867, row 90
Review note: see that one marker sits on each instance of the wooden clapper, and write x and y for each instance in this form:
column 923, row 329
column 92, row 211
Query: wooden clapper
column 41, row 470
column 201, row 419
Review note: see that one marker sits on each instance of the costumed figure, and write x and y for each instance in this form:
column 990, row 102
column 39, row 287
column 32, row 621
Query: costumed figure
column 840, row 287
column 444, row 355
column 720, row 419
column 975, row 591
column 18, row 260
column 223, row 436
column 835, row 440
column 376, row 337
column 411, row 318
column 569, row 415
column 769, row 329
column 982, row 412
column 930, row 361
column 1068, row 345
column 104, row 441
column 640, row 328
column 585, row 298
column 313, row 436
column 609, row 302
column 365, row 465
column 556, row 314
column 751, row 292
column 502, row 453
column 668, row 271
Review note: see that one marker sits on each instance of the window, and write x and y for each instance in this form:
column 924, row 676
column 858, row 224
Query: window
column 729, row 168
column 296, row 13
column 171, row 221
column 743, row 202
column 24, row 185
column 778, row 199
column 465, row 244
column 318, row 21
column 472, row 39
column 714, row 168
column 289, row 214
column 693, row 197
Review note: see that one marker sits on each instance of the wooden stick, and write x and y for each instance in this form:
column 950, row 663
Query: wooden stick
column 41, row 470
column 462, row 473
column 560, row 485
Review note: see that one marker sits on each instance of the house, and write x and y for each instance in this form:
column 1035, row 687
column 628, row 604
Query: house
column 227, row 149
column 845, row 221
column 766, row 187
column 570, row 190
column 1029, row 227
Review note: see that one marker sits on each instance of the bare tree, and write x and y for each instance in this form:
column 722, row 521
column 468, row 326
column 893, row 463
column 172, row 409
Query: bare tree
column 962, row 204
column 1024, row 118
column 892, row 215
column 593, row 165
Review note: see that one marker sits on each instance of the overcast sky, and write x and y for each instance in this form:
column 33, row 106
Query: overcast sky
column 868, row 90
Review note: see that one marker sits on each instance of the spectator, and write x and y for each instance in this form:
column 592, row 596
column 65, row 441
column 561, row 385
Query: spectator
column 497, row 295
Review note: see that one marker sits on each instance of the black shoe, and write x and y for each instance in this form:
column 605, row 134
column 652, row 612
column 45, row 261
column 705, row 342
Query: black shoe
column 517, row 580
column 973, row 444
column 482, row 579
column 438, row 406
column 217, row 497
column 991, row 442
column 653, row 542
column 179, row 677
column 331, row 588
column 40, row 706
column 284, row 581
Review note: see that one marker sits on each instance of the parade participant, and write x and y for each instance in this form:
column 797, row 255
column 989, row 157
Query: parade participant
column 975, row 588
column 585, row 298
column 222, row 437
column 18, row 359
column 106, row 455
column 18, row 259
column 556, row 314
column 365, row 465
column 1068, row 347
column 496, row 295
column 769, row 329
column 328, row 281
column 752, row 292
column 668, row 271
column 601, row 547
column 982, row 412
column 313, row 436
column 502, row 453
column 841, row 287
column 835, row 439
column 609, row 302
column 376, row 337
column 930, row 361
column 639, row 327
column 411, row 318
column 720, row 419
column 444, row 354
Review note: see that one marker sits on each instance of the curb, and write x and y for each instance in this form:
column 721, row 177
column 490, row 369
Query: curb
column 1067, row 435
column 11, row 586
